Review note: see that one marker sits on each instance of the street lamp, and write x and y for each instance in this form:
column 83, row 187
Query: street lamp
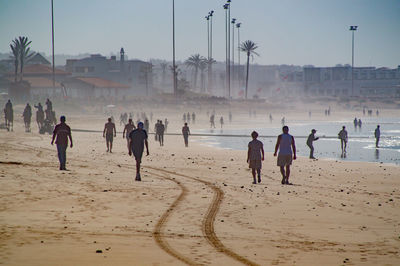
column 233, row 50
column 227, row 44
column 352, row 29
column 52, row 43
column 209, row 47
column 238, row 28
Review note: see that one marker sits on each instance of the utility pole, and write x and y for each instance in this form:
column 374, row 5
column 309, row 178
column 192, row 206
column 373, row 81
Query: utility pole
column 52, row 44
column 173, row 48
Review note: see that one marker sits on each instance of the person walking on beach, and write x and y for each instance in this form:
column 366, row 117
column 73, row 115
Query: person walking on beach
column 310, row 140
column 377, row 135
column 138, row 139
column 166, row 124
column 287, row 148
column 194, row 117
column 127, row 130
column 270, row 118
column 255, row 155
column 283, row 121
column 27, row 114
column 343, row 139
column 109, row 133
column 160, row 133
column 355, row 122
column 359, row 123
column 221, row 121
column 186, row 133
column 62, row 131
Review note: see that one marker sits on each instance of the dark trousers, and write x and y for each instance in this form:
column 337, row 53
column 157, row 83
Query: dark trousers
column 186, row 139
column 311, row 150
column 62, row 155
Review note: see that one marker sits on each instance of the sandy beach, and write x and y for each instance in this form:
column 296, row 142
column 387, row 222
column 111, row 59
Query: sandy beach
column 195, row 206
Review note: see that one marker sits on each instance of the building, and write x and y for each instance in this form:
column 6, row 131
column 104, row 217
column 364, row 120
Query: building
column 367, row 81
column 136, row 74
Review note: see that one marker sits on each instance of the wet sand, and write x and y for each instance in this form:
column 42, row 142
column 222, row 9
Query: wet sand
column 194, row 206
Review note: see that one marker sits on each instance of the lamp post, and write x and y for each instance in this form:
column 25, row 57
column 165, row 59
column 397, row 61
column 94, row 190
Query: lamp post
column 227, row 44
column 209, row 47
column 52, row 43
column 352, row 29
column 233, row 50
column 238, row 28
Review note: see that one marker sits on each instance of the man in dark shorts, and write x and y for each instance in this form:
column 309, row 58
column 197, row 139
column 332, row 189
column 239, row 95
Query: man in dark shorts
column 127, row 130
column 138, row 139
column 63, row 132
column 285, row 144
column 109, row 133
column 255, row 155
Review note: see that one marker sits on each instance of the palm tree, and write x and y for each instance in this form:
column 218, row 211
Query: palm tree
column 15, row 51
column 202, row 67
column 20, row 51
column 248, row 47
column 24, row 54
column 210, row 62
column 194, row 62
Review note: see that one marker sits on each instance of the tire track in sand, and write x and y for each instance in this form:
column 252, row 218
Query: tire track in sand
column 208, row 222
column 158, row 230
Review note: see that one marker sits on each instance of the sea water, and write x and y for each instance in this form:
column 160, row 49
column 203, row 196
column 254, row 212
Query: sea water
column 360, row 147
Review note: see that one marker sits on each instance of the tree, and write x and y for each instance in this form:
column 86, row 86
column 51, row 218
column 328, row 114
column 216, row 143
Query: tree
column 15, row 51
column 194, row 62
column 210, row 62
column 20, row 50
column 249, row 48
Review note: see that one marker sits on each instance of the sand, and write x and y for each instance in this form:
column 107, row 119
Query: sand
column 194, row 206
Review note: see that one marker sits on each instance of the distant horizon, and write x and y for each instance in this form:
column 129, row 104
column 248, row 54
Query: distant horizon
column 287, row 32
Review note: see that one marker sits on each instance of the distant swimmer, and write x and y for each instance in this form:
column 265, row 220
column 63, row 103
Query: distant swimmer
column 311, row 138
column 138, row 139
column 186, row 133
column 343, row 139
column 62, row 131
column 127, row 130
column 377, row 135
column 27, row 114
column 109, row 133
column 255, row 154
column 287, row 148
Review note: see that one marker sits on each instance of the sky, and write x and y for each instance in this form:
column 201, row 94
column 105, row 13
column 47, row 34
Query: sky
column 293, row 32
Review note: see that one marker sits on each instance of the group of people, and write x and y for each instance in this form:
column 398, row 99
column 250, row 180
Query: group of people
column 357, row 123
column 285, row 144
column 187, row 117
column 45, row 119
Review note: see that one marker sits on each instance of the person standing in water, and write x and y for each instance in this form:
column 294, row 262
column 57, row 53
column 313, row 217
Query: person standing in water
column 310, row 140
column 127, row 130
column 109, row 133
column 287, row 149
column 137, row 142
column 62, row 131
column 255, row 154
column 377, row 135
column 186, row 133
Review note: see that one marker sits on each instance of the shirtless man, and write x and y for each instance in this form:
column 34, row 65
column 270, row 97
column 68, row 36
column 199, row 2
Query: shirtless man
column 127, row 130
column 109, row 132
column 137, row 142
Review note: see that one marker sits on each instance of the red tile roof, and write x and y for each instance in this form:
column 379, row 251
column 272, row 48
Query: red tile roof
column 102, row 83
column 39, row 82
column 40, row 69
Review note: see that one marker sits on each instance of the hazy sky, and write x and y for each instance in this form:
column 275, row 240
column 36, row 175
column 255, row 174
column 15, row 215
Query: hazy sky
column 295, row 32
